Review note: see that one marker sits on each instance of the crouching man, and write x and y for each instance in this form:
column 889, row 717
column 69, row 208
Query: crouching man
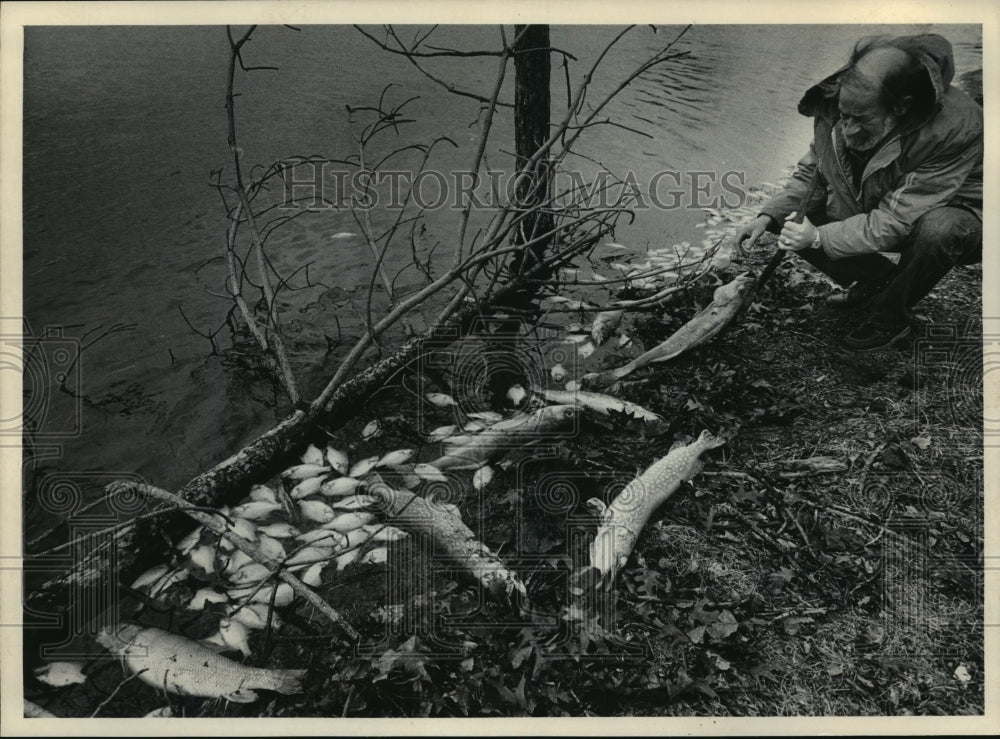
column 896, row 165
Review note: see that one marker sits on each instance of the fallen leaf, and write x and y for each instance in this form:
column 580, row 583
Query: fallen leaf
column 962, row 674
column 724, row 625
column 921, row 442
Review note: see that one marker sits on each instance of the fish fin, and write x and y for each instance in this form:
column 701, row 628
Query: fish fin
column 290, row 681
column 696, row 467
column 241, row 696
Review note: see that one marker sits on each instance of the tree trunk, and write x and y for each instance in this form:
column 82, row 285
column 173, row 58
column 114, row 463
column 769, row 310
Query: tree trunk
column 532, row 108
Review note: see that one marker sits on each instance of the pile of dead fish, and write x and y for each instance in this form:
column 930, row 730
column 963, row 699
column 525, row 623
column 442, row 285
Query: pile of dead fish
column 316, row 518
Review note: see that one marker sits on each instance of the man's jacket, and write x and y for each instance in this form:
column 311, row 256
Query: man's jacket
column 934, row 158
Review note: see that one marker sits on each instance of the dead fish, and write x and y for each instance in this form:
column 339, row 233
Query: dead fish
column 170, row 579
column 429, row 472
column 243, row 527
column 312, row 455
column 254, row 615
column 378, row 556
column 354, row 503
column 279, row 530
column 256, row 510
column 371, row 430
column 442, row 432
column 482, row 477
column 605, row 324
column 215, row 642
column 203, row 557
column 383, row 532
column 253, row 572
column 181, row 666
column 60, row 674
column 605, row 405
column 320, row 536
column 263, row 494
column 337, row 459
column 519, row 429
column 362, row 468
column 190, row 541
column 346, row 522
column 408, row 480
column 313, row 576
column 396, row 458
column 282, row 595
column 271, row 548
column 205, row 596
column 623, row 520
column 727, row 301
column 309, row 555
column 316, row 511
column 235, row 562
column 304, row 471
column 440, row 399
column 491, row 416
column 347, row 558
column 340, row 486
column 235, row 635
column 306, row 488
column 150, row 576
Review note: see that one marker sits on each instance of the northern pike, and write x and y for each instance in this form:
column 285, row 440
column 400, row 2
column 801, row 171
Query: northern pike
column 181, row 666
column 477, row 450
column 623, row 520
column 606, row 405
column 727, row 300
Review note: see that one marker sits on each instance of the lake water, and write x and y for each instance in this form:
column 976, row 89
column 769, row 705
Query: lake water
column 123, row 126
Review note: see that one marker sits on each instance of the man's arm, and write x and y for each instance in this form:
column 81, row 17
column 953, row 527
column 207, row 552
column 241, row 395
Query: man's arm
column 790, row 199
column 931, row 185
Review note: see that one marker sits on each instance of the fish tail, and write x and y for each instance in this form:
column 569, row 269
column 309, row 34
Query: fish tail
column 289, row 681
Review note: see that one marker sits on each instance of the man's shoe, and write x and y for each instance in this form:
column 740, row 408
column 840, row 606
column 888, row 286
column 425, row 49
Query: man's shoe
column 857, row 297
column 874, row 334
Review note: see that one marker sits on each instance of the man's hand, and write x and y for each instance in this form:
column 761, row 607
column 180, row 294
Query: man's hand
column 796, row 236
column 750, row 232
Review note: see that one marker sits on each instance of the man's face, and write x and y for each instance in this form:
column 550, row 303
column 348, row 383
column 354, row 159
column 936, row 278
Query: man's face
column 864, row 121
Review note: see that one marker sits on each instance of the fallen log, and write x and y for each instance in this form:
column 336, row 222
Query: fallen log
column 451, row 537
